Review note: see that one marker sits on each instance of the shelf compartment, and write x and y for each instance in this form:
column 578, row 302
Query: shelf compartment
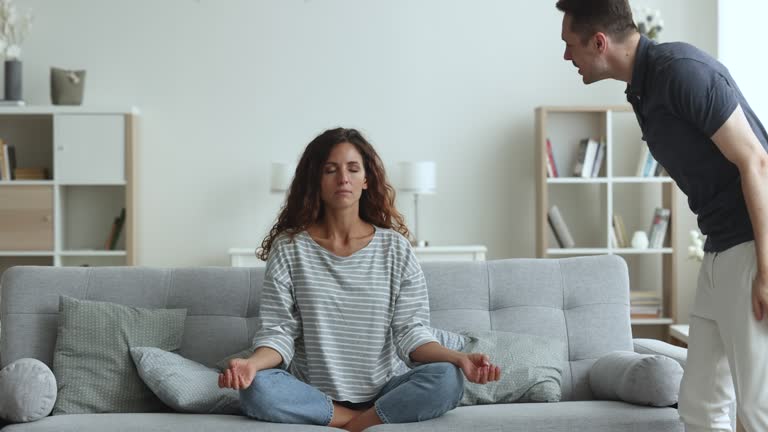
column 26, row 218
column 86, row 217
column 583, row 209
column 93, row 260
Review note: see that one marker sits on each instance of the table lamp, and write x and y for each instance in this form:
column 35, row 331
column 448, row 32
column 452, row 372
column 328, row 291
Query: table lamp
column 418, row 178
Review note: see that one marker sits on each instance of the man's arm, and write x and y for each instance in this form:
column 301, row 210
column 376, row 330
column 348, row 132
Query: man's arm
column 738, row 143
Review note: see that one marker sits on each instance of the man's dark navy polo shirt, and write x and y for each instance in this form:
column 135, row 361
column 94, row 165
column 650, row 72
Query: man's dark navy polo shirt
column 681, row 97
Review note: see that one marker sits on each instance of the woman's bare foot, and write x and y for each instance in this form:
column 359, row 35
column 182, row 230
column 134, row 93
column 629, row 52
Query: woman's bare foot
column 365, row 420
column 343, row 415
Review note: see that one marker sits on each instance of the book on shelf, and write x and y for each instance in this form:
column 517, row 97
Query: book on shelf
column 585, row 158
column 659, row 226
column 647, row 165
column 551, row 165
column 559, row 228
column 7, row 160
column 599, row 157
column 115, row 231
column 620, row 231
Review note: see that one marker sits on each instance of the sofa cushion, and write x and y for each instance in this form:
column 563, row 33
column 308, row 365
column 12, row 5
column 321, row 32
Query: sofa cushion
column 91, row 361
column 640, row 379
column 183, row 384
column 531, row 368
column 28, row 390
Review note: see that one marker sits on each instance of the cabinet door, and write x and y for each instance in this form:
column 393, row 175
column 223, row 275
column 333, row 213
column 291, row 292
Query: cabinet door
column 26, row 218
column 90, row 149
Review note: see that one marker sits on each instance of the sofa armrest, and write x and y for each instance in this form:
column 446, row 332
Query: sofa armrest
column 654, row 346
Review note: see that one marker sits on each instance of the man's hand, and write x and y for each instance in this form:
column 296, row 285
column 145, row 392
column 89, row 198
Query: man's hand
column 239, row 375
column 478, row 368
column 760, row 296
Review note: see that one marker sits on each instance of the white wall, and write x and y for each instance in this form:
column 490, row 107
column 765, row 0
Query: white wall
column 226, row 87
column 738, row 47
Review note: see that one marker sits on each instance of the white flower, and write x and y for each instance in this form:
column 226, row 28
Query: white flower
column 13, row 52
column 13, row 29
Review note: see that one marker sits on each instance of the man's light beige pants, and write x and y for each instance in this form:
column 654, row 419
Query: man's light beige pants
column 727, row 347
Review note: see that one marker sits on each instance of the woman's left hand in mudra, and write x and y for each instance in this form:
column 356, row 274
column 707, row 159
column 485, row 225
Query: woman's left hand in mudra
column 477, row 367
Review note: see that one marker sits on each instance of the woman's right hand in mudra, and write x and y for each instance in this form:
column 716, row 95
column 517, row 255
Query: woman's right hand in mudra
column 239, row 375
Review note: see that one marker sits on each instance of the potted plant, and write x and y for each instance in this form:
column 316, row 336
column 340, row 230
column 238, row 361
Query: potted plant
column 13, row 30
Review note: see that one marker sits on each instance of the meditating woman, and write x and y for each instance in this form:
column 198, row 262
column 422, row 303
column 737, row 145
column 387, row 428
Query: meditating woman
column 343, row 295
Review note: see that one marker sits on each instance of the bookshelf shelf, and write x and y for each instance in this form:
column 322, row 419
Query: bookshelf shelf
column 652, row 321
column 94, row 252
column 621, row 181
column 17, row 183
column 26, row 253
column 76, row 175
column 608, row 251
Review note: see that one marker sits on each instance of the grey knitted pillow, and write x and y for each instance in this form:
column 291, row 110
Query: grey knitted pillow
column 91, row 361
column 183, row 384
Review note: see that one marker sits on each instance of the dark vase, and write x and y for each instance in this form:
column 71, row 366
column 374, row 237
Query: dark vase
column 13, row 80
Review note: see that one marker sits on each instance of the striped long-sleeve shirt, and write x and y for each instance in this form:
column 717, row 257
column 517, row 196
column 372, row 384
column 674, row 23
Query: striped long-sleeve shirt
column 338, row 322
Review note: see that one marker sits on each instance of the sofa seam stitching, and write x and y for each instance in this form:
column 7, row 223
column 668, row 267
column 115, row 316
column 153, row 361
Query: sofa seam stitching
column 488, row 281
column 565, row 320
column 168, row 287
column 88, row 283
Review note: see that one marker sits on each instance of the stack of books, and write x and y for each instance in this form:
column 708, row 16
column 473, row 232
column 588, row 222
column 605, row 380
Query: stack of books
column 644, row 304
column 589, row 158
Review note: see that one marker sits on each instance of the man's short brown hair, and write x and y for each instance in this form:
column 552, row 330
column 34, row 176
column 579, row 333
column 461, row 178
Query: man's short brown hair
column 612, row 17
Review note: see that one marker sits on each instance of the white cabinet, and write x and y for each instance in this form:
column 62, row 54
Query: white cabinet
column 74, row 177
column 90, row 149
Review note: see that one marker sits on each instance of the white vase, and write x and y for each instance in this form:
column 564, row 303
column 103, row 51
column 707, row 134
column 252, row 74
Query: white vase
column 639, row 240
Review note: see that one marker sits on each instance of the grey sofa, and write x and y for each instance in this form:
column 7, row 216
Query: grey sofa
column 582, row 301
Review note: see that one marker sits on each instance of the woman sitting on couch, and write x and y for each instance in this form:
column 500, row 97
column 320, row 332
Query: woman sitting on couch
column 343, row 294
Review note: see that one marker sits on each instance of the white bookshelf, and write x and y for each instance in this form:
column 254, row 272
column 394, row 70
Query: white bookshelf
column 66, row 219
column 588, row 204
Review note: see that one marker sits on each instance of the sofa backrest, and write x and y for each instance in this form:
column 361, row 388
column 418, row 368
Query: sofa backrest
column 583, row 302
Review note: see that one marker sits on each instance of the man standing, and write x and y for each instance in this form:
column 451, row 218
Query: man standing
column 700, row 128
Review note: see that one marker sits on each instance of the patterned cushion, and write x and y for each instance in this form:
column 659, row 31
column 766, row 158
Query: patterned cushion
column 531, row 368
column 91, row 361
column 184, row 385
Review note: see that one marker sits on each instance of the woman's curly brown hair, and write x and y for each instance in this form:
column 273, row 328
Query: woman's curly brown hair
column 303, row 206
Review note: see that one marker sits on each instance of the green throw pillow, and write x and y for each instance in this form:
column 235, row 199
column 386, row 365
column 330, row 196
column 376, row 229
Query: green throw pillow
column 92, row 362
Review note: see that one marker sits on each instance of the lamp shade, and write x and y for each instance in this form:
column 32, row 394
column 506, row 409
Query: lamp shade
column 418, row 177
column 282, row 176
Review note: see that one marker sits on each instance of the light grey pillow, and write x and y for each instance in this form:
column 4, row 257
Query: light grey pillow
column 446, row 338
column 91, row 361
column 531, row 368
column 28, row 390
column 640, row 379
column 183, row 384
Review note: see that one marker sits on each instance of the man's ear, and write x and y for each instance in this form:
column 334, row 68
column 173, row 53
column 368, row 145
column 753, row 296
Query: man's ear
column 601, row 42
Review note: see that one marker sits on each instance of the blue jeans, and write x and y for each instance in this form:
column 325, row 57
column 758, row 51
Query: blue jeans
column 423, row 393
